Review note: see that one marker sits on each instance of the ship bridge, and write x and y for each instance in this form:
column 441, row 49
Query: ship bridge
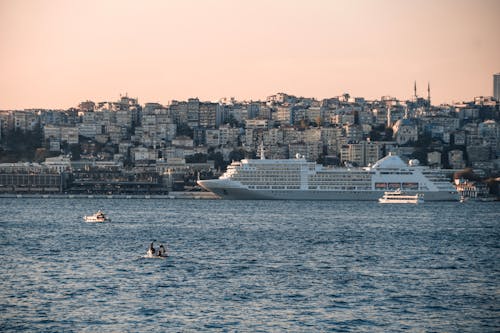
column 390, row 162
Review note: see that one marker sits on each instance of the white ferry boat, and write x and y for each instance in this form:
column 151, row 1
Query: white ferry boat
column 298, row 179
column 400, row 197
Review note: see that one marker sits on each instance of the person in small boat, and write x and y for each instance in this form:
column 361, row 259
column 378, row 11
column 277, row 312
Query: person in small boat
column 162, row 252
column 152, row 248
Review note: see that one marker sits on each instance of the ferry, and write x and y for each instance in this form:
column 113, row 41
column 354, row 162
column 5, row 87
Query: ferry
column 298, row 179
column 400, row 197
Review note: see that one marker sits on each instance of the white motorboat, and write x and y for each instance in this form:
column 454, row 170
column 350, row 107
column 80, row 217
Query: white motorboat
column 97, row 217
column 400, row 197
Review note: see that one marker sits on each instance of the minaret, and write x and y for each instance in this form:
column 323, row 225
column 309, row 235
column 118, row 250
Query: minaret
column 429, row 94
column 415, row 90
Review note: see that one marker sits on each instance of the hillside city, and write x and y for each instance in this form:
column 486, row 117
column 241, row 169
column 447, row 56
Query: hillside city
column 124, row 147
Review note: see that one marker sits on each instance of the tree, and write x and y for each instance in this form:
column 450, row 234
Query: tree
column 21, row 145
column 75, row 151
column 388, row 135
column 232, row 121
column 184, row 129
column 420, row 154
column 374, row 135
column 218, row 159
column 196, row 158
column 237, row 155
column 424, row 140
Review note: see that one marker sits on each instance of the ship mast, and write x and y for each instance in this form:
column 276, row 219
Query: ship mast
column 262, row 156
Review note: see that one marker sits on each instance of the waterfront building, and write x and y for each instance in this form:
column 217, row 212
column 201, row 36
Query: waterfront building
column 30, row 178
column 471, row 189
column 59, row 163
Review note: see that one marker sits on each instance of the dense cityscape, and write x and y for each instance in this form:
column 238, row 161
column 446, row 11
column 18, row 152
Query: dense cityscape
column 123, row 147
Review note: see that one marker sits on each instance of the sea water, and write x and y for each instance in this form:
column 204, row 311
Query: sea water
column 249, row 266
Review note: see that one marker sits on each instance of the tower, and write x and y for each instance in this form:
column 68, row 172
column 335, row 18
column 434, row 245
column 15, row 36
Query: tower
column 496, row 86
column 429, row 94
column 415, row 90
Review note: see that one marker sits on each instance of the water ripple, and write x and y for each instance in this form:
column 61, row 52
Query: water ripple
column 259, row 266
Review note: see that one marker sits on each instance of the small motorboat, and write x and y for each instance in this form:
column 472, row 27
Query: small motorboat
column 97, row 217
column 154, row 253
column 150, row 254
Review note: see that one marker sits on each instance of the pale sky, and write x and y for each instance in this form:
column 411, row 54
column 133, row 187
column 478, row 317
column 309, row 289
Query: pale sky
column 57, row 53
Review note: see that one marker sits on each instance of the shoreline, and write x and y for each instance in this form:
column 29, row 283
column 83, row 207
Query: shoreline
column 171, row 195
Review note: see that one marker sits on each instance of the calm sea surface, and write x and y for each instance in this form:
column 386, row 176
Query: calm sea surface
column 249, row 266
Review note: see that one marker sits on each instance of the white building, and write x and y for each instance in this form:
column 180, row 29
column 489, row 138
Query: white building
column 58, row 163
column 404, row 131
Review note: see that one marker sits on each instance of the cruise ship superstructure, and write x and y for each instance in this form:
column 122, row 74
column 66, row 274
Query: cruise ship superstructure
column 298, row 179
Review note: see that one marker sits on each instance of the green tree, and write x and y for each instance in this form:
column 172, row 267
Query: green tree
column 75, row 151
column 21, row 145
column 218, row 159
column 184, row 129
column 237, row 155
column 196, row 158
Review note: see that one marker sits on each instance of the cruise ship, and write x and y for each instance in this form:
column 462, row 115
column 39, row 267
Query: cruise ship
column 298, row 179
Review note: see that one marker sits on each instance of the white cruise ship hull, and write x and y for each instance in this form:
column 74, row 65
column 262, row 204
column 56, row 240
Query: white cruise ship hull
column 297, row 179
column 226, row 189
